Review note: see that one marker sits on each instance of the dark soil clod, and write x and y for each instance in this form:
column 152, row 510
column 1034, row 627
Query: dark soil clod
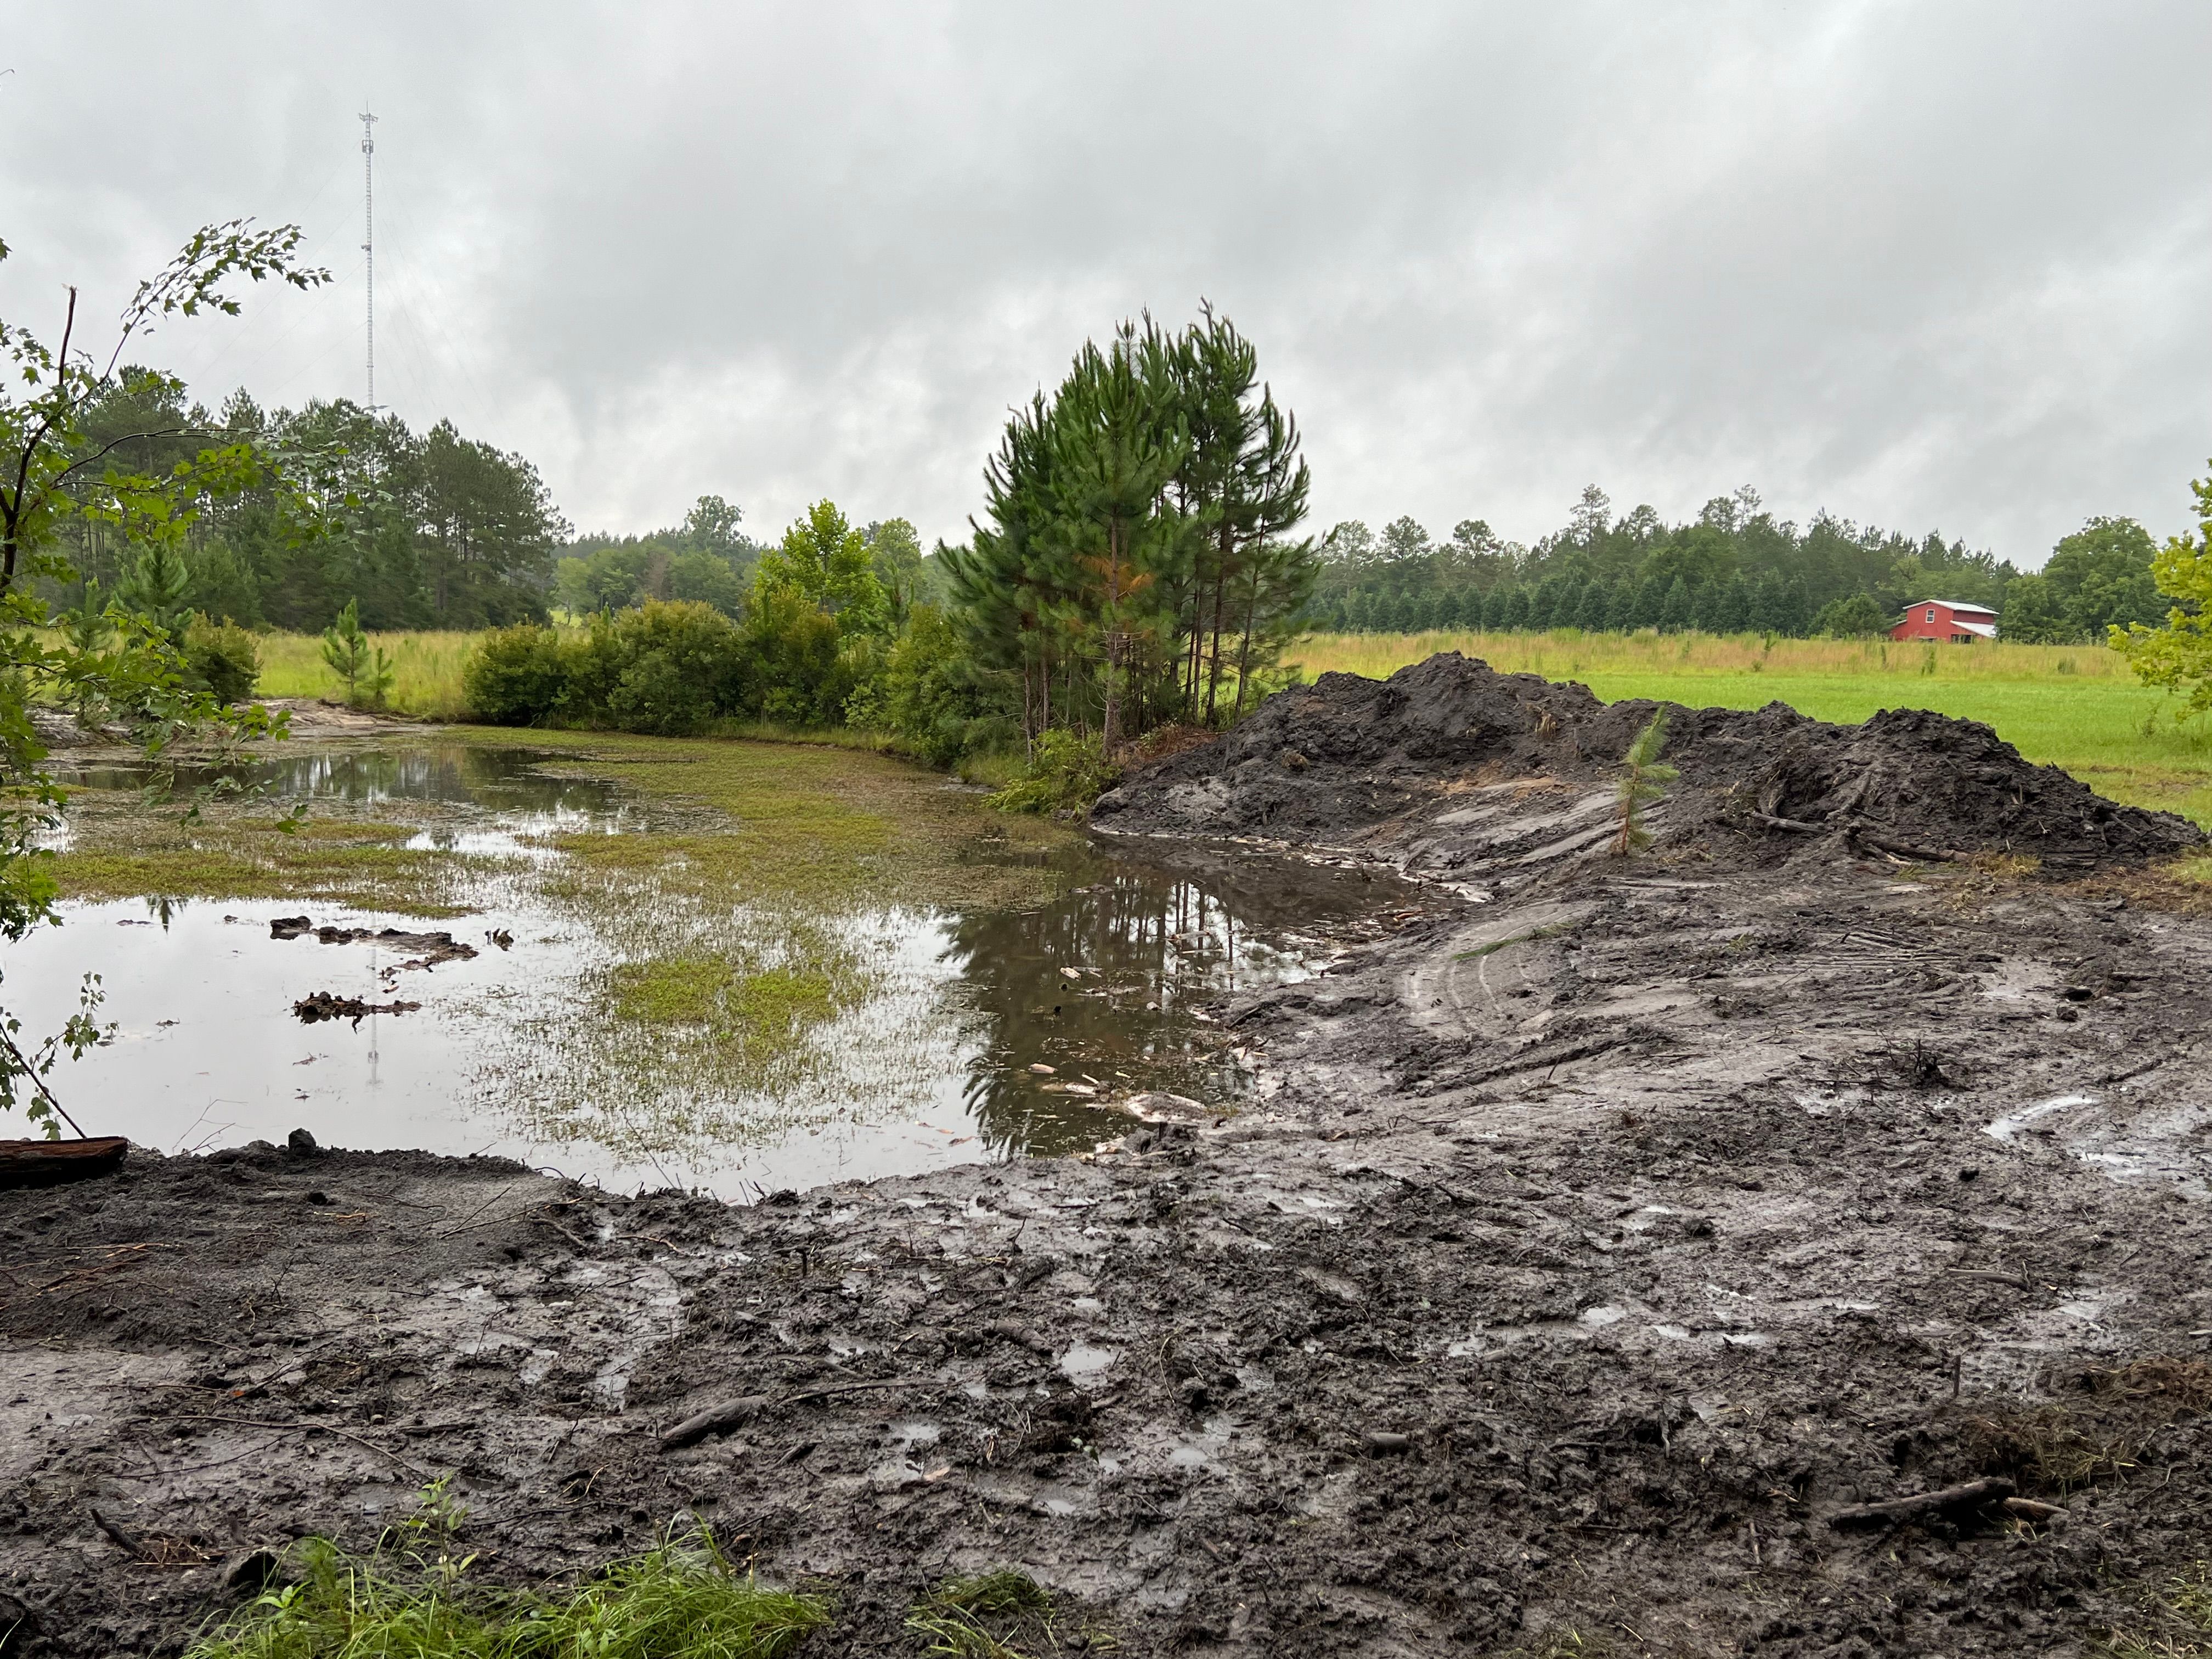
column 320, row 1006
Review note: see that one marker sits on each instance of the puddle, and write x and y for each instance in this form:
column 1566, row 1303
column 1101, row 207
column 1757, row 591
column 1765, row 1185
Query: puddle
column 936, row 1064
column 1083, row 1360
column 507, row 779
column 2007, row 1127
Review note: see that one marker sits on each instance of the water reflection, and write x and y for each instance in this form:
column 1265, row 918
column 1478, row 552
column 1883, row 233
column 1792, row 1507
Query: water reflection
column 514, row 1052
column 1101, row 984
column 506, row 780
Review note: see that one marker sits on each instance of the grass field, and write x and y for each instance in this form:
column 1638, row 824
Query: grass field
column 425, row 670
column 2076, row 706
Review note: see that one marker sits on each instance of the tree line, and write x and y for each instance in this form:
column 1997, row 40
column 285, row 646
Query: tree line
column 1736, row 568
column 419, row 529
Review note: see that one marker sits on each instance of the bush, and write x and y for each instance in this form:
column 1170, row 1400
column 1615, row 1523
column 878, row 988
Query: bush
column 1065, row 772
column 1855, row 617
column 932, row 695
column 223, row 659
column 796, row 672
column 665, row 668
column 516, row 675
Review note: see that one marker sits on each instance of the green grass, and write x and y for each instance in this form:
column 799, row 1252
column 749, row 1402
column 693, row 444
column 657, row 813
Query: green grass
column 2178, row 1625
column 246, row 858
column 413, row 1597
column 985, row 1616
column 2077, row 707
column 425, row 670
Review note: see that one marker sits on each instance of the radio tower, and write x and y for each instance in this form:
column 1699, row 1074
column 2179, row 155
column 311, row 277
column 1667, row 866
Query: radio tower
column 369, row 247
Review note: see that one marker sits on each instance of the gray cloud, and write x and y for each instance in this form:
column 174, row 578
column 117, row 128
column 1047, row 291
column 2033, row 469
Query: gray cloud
column 1928, row 266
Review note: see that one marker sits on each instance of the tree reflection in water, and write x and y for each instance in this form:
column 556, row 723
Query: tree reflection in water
column 1154, row 943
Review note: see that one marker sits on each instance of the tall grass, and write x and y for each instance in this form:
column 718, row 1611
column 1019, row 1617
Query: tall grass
column 425, row 670
column 1570, row 653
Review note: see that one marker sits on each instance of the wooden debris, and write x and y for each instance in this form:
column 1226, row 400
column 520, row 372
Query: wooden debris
column 714, row 1420
column 1895, row 1511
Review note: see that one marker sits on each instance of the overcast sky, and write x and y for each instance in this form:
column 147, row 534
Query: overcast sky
column 1929, row 264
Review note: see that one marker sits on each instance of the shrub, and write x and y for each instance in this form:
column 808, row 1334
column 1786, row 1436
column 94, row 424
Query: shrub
column 796, row 670
column 931, row 694
column 224, row 659
column 516, row 675
column 1855, row 617
column 1065, row 772
column 668, row 668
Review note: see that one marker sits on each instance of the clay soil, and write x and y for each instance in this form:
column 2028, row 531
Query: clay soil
column 1603, row 1237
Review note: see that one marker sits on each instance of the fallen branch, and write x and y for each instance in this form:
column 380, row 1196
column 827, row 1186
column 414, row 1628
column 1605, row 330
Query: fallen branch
column 2018, row 1281
column 540, row 1216
column 302, row 1428
column 1904, row 849
column 714, row 1420
column 1897, row 1510
column 732, row 1412
column 855, row 1388
column 122, row 1538
column 1797, row 826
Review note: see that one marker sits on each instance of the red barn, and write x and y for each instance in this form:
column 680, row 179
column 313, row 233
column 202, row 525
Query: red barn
column 1947, row 619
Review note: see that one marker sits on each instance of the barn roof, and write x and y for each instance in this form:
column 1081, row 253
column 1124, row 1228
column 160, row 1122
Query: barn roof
column 1954, row 605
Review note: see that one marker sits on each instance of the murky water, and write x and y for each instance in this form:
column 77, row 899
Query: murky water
column 944, row 1060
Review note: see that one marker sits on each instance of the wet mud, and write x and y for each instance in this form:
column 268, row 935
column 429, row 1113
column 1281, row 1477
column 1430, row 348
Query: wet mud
column 1770, row 1244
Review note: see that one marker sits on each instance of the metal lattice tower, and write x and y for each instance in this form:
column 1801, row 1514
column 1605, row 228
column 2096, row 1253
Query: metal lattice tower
column 369, row 245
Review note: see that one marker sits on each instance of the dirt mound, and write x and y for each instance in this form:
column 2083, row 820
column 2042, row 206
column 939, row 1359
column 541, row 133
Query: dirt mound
column 1452, row 765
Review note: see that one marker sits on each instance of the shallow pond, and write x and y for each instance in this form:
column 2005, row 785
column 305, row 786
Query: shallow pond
column 979, row 1032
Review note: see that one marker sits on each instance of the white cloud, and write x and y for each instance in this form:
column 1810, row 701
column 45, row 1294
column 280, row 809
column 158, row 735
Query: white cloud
column 1930, row 267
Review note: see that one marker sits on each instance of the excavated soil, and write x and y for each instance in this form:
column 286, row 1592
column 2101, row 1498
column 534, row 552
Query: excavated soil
column 1603, row 1237
column 1438, row 767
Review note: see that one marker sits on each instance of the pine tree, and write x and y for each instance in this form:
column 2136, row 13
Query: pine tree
column 1591, row 611
column 1620, row 607
column 1678, row 611
column 365, row 669
column 1644, row 780
column 1722, row 606
column 158, row 588
column 1113, row 456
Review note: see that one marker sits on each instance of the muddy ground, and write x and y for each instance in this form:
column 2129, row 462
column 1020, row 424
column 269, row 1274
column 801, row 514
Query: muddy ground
column 1603, row 1237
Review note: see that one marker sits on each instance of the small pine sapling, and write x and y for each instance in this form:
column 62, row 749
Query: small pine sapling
column 376, row 679
column 1644, row 780
column 346, row 649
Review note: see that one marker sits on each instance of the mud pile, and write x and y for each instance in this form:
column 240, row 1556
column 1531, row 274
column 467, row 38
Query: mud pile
column 1434, row 754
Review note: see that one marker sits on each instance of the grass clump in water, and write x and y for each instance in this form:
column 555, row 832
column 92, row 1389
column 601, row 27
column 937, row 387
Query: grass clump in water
column 1005, row 1614
column 412, row 1597
column 762, row 1007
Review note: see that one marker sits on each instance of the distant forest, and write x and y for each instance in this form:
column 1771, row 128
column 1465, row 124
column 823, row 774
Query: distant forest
column 1736, row 568
column 427, row 529
column 436, row 530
